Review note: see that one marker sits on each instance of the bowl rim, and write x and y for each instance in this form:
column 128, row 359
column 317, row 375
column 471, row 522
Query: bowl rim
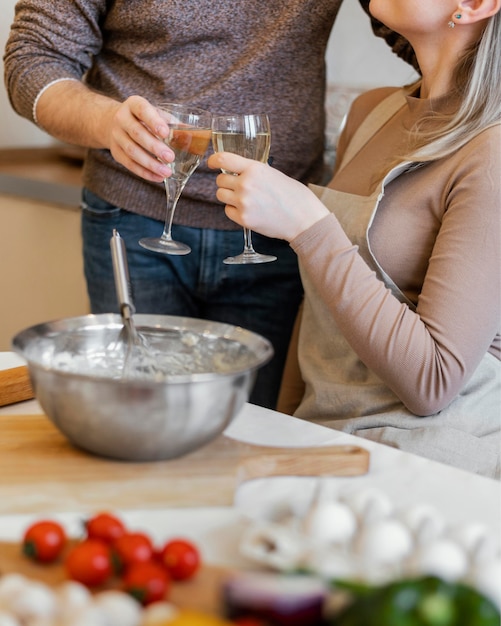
column 70, row 324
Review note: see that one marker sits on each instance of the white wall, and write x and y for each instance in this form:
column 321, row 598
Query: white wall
column 15, row 131
column 355, row 58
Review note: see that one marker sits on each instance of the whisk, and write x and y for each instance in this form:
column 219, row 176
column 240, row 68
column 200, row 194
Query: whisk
column 138, row 357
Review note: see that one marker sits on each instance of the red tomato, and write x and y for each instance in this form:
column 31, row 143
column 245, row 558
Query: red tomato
column 181, row 558
column 147, row 582
column 133, row 547
column 90, row 562
column 44, row 541
column 105, row 527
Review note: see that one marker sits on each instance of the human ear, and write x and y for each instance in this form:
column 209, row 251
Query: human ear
column 471, row 11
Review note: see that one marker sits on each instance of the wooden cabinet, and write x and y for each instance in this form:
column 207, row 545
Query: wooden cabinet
column 41, row 267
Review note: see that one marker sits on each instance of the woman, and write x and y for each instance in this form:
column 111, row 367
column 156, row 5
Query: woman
column 400, row 255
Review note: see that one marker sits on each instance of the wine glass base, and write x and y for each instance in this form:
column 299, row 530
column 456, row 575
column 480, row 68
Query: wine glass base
column 249, row 258
column 164, row 246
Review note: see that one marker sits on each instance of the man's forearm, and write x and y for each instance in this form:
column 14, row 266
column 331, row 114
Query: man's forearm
column 71, row 112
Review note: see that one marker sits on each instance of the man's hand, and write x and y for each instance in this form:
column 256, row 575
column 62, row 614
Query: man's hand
column 136, row 135
column 133, row 131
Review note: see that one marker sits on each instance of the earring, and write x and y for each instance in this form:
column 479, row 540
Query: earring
column 451, row 24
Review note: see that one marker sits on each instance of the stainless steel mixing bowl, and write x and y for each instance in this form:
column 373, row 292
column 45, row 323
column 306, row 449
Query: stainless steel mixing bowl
column 129, row 418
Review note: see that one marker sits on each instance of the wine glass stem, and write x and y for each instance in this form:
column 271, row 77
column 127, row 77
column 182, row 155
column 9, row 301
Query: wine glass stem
column 248, row 247
column 173, row 189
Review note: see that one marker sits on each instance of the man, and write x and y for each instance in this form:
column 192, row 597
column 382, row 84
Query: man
column 89, row 72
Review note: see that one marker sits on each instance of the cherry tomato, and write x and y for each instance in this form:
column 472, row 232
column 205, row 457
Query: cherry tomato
column 133, row 547
column 181, row 558
column 147, row 582
column 44, row 541
column 90, row 562
column 105, row 527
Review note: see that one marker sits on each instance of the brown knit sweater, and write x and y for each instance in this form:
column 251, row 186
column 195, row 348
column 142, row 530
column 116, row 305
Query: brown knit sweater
column 224, row 56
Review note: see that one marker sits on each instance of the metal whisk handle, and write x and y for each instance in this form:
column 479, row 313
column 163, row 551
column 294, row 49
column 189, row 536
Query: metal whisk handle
column 121, row 275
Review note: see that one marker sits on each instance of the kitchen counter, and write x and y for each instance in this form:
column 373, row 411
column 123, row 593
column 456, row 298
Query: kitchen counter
column 52, row 175
column 406, row 479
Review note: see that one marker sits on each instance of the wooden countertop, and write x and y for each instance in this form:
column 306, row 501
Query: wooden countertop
column 41, row 471
column 52, row 174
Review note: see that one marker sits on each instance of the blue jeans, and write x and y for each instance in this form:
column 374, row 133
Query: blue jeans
column 261, row 298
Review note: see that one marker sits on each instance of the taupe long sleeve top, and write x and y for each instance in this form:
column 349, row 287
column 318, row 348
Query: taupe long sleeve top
column 437, row 234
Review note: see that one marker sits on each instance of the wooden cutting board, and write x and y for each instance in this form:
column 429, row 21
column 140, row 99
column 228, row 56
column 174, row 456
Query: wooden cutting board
column 203, row 592
column 15, row 385
column 41, row 471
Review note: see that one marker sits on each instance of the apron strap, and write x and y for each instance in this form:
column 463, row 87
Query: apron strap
column 379, row 115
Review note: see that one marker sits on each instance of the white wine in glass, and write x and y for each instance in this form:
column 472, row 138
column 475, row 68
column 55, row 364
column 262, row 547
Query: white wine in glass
column 250, row 137
column 189, row 137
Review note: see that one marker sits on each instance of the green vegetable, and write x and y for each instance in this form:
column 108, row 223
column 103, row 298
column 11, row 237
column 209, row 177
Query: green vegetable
column 427, row 601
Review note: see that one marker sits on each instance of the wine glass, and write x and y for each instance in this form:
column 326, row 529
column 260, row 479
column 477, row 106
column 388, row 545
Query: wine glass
column 189, row 136
column 249, row 136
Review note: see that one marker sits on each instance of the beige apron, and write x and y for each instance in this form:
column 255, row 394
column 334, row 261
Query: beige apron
column 342, row 393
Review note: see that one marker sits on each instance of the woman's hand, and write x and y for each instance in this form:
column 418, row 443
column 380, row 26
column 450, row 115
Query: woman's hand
column 263, row 199
column 136, row 134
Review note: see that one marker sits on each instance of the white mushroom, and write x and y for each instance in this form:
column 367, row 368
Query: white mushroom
column 487, row 579
column 9, row 585
column 72, row 595
column 275, row 545
column 33, row 600
column 159, row 614
column 443, row 558
column 369, row 504
column 386, row 542
column 475, row 538
column 330, row 523
column 334, row 564
column 424, row 521
column 120, row 608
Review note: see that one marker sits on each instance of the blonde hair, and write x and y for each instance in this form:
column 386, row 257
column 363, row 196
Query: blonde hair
column 477, row 83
